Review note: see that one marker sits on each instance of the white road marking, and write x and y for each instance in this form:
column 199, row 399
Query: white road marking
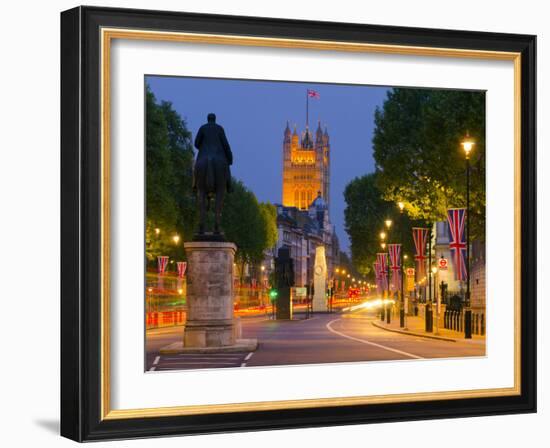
column 364, row 341
column 243, row 364
column 156, row 361
column 152, row 369
column 248, row 356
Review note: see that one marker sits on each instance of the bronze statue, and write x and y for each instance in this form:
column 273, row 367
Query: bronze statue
column 212, row 176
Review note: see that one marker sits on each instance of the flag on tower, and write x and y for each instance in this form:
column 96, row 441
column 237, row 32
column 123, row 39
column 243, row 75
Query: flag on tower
column 313, row 94
column 395, row 265
column 420, row 236
column 457, row 245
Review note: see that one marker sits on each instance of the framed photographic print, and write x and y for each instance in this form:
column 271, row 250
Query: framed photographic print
column 274, row 223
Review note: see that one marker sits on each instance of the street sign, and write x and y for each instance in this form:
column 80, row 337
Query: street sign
column 443, row 263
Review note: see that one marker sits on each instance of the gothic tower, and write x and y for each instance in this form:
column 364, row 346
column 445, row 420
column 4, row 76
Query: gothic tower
column 306, row 167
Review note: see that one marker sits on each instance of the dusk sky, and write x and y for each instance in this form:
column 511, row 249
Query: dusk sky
column 254, row 116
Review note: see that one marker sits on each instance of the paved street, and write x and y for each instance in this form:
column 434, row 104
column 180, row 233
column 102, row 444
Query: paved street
column 325, row 338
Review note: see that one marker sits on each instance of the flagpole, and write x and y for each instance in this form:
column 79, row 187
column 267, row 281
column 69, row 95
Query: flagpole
column 307, row 109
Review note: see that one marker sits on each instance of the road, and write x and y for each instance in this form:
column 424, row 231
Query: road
column 324, row 338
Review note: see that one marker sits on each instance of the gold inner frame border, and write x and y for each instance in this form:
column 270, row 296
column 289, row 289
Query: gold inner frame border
column 107, row 35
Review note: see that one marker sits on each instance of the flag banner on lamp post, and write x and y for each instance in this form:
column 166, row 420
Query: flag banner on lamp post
column 420, row 237
column 182, row 267
column 162, row 263
column 376, row 269
column 394, row 251
column 382, row 259
column 456, row 218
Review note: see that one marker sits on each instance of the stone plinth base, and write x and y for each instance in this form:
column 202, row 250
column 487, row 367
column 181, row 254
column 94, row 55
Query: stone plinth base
column 210, row 322
column 240, row 346
column 319, row 304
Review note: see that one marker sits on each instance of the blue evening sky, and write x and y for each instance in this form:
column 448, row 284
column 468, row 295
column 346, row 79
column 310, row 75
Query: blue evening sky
column 254, row 116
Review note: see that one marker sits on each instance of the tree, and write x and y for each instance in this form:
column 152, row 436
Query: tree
column 419, row 157
column 169, row 198
column 269, row 216
column 250, row 225
column 365, row 213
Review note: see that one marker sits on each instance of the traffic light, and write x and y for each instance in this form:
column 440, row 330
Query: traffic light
column 273, row 294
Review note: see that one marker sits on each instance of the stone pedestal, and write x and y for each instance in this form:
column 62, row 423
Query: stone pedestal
column 209, row 294
column 211, row 326
column 320, row 280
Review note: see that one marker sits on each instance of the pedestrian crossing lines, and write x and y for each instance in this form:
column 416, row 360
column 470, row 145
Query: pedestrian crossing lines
column 188, row 361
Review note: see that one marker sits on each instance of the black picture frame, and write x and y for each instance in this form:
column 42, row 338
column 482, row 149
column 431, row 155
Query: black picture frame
column 81, row 209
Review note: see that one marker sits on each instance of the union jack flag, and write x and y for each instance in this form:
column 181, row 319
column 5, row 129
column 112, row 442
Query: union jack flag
column 420, row 236
column 382, row 259
column 182, row 267
column 457, row 223
column 162, row 263
column 376, row 267
column 395, row 265
column 313, row 94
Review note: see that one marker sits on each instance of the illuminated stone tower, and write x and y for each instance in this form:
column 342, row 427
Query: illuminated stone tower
column 306, row 167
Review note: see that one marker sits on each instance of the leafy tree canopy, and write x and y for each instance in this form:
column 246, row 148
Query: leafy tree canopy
column 419, row 157
column 170, row 208
column 250, row 225
column 365, row 215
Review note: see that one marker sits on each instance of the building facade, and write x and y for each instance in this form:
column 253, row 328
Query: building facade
column 303, row 219
column 306, row 167
column 302, row 231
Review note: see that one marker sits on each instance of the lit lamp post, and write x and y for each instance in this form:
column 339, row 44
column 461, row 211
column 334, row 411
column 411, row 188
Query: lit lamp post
column 437, row 301
column 467, row 145
column 402, row 301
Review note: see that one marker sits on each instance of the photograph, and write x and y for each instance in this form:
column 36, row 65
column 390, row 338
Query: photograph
column 291, row 223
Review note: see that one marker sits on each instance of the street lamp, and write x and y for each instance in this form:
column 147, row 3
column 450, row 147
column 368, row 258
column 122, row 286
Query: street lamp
column 388, row 223
column 157, row 231
column 401, row 206
column 383, row 245
column 382, row 236
column 467, row 145
column 176, row 239
column 437, row 301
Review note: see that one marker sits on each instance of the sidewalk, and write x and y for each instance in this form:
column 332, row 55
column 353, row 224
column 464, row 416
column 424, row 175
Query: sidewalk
column 415, row 326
